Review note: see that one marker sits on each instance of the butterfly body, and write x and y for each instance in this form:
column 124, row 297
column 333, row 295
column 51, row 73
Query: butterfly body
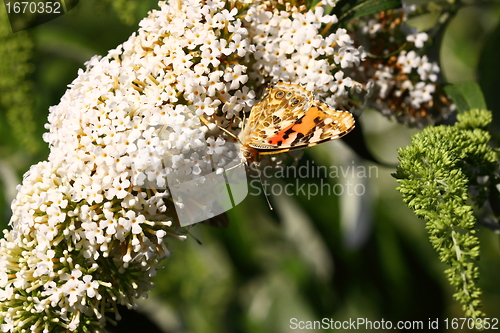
column 289, row 118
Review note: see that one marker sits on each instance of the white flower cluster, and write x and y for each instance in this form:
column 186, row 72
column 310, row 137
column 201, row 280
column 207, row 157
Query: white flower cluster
column 399, row 83
column 411, row 81
column 291, row 47
column 396, row 80
column 89, row 224
column 422, row 91
column 126, row 131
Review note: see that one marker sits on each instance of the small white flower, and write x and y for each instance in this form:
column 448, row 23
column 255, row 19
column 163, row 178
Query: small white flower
column 236, row 77
column 91, row 287
column 214, row 83
column 46, row 264
column 408, row 61
column 342, row 38
column 341, row 83
column 421, row 94
column 428, row 70
column 419, row 39
column 215, row 147
column 372, row 27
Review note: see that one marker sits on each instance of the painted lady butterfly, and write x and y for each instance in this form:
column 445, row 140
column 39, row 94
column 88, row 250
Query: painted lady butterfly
column 289, row 118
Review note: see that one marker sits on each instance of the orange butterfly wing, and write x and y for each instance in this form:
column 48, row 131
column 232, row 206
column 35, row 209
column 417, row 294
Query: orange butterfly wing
column 288, row 118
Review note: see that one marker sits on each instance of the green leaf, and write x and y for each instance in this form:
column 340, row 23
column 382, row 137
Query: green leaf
column 348, row 9
column 357, row 141
column 466, row 96
column 457, row 97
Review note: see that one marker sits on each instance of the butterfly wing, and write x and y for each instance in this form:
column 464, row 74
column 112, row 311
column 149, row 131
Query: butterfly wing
column 317, row 125
column 277, row 110
column 288, row 118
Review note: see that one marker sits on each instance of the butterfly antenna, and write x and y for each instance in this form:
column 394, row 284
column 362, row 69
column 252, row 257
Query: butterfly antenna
column 194, row 237
column 263, row 190
column 208, row 123
column 243, row 121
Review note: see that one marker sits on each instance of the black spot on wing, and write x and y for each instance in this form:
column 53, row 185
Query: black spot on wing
column 287, row 133
column 298, row 138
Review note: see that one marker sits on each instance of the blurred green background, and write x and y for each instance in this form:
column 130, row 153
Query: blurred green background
column 327, row 256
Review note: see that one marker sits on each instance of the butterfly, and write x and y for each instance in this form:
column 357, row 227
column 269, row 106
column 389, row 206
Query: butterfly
column 288, row 118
